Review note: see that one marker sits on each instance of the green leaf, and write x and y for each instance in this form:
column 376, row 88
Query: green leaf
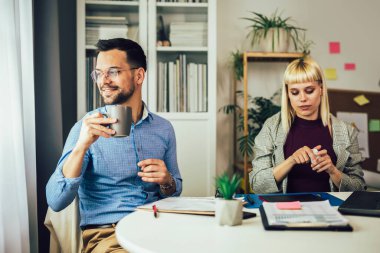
column 228, row 185
column 261, row 25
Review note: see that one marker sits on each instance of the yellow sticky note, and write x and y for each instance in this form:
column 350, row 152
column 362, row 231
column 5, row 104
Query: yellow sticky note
column 361, row 100
column 330, row 74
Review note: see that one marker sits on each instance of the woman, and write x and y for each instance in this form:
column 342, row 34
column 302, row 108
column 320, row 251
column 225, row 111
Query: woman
column 304, row 148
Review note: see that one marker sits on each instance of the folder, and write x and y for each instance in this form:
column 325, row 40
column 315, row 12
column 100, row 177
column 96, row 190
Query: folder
column 257, row 199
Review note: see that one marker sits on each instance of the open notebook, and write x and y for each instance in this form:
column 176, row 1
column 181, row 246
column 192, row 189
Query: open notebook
column 188, row 205
column 185, row 205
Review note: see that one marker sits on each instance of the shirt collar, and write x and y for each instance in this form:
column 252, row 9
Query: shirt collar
column 146, row 115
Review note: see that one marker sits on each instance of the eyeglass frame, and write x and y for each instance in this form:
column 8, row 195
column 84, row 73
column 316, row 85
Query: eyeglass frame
column 108, row 75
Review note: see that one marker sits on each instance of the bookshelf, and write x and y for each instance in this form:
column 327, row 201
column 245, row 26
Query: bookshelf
column 195, row 126
column 134, row 14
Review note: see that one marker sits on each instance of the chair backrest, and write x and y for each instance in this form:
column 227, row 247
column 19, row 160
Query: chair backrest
column 65, row 233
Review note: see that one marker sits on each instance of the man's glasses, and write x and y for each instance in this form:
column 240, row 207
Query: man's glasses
column 111, row 73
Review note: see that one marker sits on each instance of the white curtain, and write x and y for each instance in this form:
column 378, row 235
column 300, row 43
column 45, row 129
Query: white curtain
column 18, row 207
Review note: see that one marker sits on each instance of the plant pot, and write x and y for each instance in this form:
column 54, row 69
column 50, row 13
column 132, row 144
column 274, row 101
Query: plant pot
column 276, row 40
column 228, row 212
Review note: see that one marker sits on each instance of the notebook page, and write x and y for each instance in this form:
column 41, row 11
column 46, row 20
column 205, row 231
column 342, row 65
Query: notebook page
column 183, row 204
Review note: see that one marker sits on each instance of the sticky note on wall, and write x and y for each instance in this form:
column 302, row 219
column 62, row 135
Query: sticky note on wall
column 361, row 100
column 349, row 66
column 334, row 47
column 330, row 74
column 374, row 125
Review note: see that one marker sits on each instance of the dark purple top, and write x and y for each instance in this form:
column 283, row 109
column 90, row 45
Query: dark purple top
column 309, row 133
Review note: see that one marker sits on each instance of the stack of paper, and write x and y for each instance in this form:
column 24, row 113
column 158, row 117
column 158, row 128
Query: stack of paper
column 105, row 27
column 315, row 212
column 188, row 34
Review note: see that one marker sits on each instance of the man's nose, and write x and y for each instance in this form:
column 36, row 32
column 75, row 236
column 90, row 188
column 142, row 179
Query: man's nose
column 105, row 78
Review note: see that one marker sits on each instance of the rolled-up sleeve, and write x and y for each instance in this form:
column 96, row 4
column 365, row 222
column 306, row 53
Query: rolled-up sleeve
column 352, row 176
column 261, row 177
column 61, row 191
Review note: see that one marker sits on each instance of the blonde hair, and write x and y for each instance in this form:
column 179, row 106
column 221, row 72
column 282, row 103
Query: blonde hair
column 303, row 71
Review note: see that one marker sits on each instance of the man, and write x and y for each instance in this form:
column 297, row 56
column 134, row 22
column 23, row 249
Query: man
column 113, row 176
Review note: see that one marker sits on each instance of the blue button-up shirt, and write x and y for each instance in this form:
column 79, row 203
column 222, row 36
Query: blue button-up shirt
column 109, row 187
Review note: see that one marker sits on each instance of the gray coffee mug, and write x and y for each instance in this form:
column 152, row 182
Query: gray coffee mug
column 123, row 114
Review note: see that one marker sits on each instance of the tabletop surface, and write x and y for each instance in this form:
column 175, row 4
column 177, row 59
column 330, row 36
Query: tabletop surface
column 141, row 232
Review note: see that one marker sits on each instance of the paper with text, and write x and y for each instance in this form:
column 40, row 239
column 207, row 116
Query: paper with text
column 317, row 212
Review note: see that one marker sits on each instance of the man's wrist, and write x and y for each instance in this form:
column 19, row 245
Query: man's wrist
column 80, row 148
column 169, row 187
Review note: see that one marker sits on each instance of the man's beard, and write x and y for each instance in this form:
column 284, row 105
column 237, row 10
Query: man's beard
column 120, row 97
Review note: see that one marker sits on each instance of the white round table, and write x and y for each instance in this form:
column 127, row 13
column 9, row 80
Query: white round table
column 141, row 232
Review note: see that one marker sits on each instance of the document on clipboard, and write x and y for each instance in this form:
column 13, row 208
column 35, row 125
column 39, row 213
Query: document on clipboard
column 315, row 215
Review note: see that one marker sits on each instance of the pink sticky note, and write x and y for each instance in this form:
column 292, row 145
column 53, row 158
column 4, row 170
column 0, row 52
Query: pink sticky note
column 349, row 66
column 334, row 47
column 294, row 205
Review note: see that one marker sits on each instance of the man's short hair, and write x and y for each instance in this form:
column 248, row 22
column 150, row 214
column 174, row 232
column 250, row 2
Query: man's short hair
column 135, row 54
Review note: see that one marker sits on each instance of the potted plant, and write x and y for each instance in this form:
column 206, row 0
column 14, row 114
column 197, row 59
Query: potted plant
column 259, row 110
column 237, row 62
column 228, row 211
column 273, row 33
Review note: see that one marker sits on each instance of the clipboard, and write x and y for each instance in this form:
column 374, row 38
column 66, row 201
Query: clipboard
column 302, row 226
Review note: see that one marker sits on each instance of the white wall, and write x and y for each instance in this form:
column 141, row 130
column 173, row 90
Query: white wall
column 354, row 23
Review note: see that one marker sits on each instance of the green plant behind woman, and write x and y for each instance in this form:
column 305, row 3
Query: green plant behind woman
column 259, row 110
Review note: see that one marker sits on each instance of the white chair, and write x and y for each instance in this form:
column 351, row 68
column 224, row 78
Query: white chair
column 65, row 233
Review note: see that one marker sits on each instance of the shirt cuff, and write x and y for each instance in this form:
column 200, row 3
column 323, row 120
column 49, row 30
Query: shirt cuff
column 345, row 183
column 68, row 183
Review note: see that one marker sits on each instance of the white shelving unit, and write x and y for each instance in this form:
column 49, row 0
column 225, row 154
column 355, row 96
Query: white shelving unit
column 136, row 13
column 195, row 131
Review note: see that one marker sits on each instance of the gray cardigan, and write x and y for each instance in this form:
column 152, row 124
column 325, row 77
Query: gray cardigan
column 269, row 152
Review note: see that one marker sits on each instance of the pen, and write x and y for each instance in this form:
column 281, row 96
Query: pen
column 155, row 211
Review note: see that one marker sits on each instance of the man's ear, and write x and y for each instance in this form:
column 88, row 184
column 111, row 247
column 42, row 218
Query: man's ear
column 139, row 76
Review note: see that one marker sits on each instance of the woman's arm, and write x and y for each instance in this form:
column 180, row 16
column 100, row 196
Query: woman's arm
column 352, row 173
column 350, row 178
column 265, row 178
column 261, row 177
